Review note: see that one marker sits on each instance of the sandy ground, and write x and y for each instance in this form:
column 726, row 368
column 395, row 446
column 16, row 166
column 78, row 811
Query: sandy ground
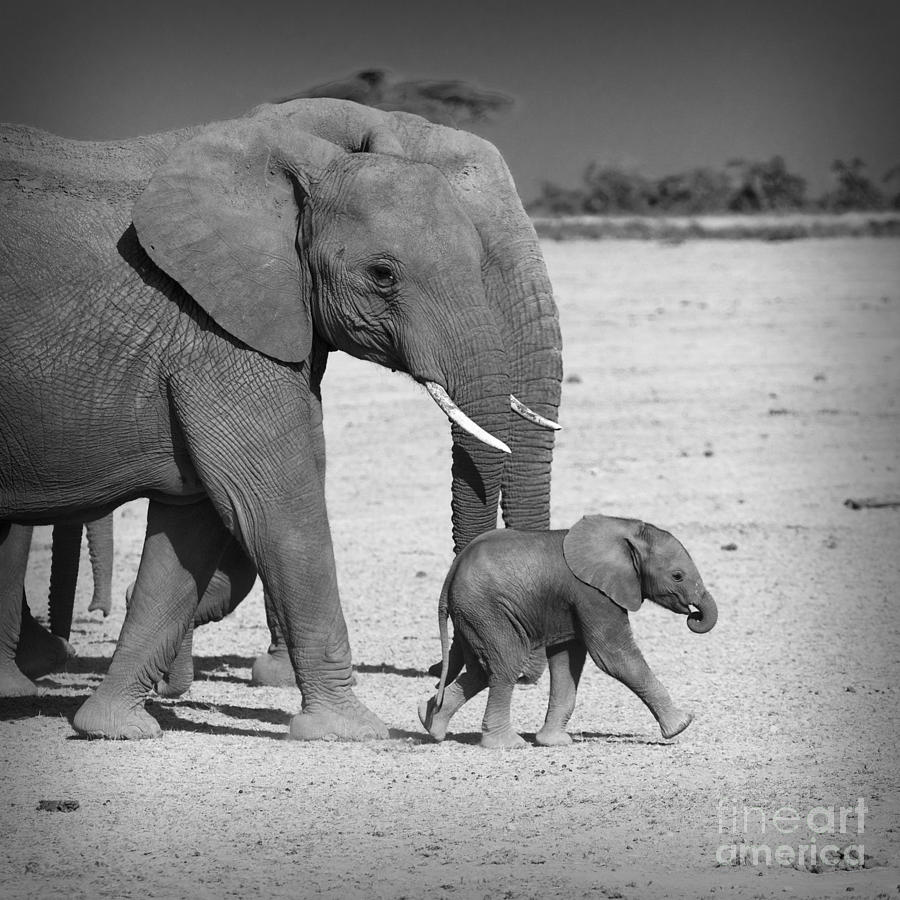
column 734, row 393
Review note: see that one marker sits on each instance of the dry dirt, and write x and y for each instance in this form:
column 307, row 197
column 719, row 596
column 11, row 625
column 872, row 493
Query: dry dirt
column 736, row 393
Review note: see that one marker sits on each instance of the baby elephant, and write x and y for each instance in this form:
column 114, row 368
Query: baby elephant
column 509, row 592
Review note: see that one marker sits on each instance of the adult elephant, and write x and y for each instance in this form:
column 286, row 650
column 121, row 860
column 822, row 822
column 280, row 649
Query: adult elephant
column 169, row 304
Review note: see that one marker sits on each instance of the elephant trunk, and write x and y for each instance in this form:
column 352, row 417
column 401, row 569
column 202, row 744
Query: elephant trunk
column 521, row 293
column 706, row 615
column 476, row 379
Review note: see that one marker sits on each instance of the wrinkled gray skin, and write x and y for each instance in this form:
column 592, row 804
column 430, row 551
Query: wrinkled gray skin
column 169, row 304
column 27, row 650
column 570, row 592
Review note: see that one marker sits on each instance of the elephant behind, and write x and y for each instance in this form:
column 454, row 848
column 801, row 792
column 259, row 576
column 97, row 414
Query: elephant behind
column 27, row 649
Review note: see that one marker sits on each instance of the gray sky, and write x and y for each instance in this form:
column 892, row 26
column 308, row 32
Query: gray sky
column 659, row 85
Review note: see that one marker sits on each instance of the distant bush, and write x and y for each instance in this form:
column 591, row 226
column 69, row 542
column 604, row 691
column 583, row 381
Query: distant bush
column 611, row 190
column 742, row 186
column 766, row 187
column 854, row 189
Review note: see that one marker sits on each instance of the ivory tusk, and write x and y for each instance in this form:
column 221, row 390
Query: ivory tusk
column 519, row 407
column 455, row 414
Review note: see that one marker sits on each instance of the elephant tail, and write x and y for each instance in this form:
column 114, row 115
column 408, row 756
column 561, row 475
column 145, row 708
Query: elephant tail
column 443, row 615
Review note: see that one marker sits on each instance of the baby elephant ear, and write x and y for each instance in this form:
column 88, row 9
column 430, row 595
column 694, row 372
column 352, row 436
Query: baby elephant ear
column 599, row 553
column 220, row 218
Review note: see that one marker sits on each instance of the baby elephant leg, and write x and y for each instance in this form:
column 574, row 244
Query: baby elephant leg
column 436, row 721
column 627, row 664
column 566, row 662
column 497, row 730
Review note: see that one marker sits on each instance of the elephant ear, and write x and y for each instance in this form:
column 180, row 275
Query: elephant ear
column 220, row 217
column 599, row 551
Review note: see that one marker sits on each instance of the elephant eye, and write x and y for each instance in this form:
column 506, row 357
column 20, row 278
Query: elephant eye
column 678, row 576
column 382, row 275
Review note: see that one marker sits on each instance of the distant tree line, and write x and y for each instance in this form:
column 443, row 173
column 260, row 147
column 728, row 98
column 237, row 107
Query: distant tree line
column 742, row 186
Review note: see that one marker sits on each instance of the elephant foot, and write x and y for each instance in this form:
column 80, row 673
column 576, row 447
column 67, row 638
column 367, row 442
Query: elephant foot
column 97, row 718
column 553, row 737
column 273, row 669
column 675, row 724
column 104, row 604
column 39, row 653
column 351, row 721
column 507, row 739
column 435, row 722
column 14, row 684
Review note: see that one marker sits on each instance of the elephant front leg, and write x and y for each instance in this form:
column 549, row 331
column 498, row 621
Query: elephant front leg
column 297, row 568
column 180, row 552
column 323, row 670
column 269, row 491
column 566, row 662
column 273, row 668
column 622, row 658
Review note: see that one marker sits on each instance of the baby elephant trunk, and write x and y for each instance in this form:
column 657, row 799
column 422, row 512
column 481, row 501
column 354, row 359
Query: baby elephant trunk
column 704, row 618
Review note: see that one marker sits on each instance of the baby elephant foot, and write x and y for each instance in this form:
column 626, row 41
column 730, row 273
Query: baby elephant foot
column 351, row 721
column 553, row 737
column 676, row 723
column 434, row 721
column 507, row 739
column 14, row 684
column 98, row 718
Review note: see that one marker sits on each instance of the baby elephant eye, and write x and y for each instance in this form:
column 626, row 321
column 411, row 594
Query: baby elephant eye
column 383, row 275
column 678, row 576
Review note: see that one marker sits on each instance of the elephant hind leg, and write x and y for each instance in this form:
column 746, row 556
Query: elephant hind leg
column 181, row 550
column 497, row 729
column 229, row 585
column 473, row 681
